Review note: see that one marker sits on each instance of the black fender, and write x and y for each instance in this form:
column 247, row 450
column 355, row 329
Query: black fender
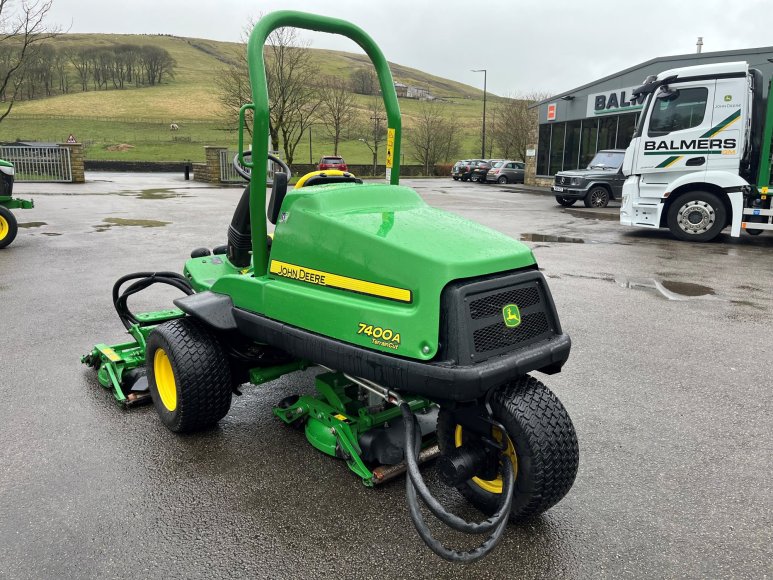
column 215, row 310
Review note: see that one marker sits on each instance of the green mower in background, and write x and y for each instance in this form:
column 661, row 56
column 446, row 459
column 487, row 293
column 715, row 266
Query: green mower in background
column 425, row 327
column 8, row 225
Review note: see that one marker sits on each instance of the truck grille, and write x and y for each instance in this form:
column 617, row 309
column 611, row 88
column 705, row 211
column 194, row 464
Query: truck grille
column 562, row 180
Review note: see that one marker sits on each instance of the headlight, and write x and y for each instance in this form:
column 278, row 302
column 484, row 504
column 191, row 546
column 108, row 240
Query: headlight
column 576, row 181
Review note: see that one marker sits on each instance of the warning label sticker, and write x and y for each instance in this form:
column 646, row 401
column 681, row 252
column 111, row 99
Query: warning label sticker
column 390, row 150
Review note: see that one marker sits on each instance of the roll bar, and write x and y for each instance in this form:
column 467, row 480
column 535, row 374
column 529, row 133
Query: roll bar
column 260, row 107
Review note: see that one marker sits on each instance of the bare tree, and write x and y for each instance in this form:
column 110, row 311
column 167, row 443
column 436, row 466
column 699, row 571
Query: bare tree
column 364, row 81
column 433, row 137
column 337, row 108
column 371, row 130
column 293, row 102
column 20, row 31
column 514, row 124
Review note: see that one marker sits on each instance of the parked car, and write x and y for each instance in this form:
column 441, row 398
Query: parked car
column 462, row 169
column 506, row 171
column 332, row 162
column 481, row 169
column 596, row 185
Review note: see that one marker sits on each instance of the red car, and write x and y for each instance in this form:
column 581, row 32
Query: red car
column 332, row 162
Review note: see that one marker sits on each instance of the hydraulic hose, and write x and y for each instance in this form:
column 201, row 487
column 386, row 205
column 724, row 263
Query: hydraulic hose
column 143, row 280
column 415, row 483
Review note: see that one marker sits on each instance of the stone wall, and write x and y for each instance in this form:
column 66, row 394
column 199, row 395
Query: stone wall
column 77, row 163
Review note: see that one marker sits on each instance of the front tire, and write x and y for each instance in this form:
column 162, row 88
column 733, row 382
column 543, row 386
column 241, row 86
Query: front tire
column 188, row 374
column 543, row 443
column 597, row 197
column 8, row 227
column 565, row 201
column 697, row 216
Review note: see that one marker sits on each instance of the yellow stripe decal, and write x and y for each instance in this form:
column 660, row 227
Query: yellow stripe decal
column 110, row 354
column 723, row 128
column 675, row 160
column 321, row 278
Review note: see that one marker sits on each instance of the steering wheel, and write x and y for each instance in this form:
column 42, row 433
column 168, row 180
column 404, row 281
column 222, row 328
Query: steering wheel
column 246, row 173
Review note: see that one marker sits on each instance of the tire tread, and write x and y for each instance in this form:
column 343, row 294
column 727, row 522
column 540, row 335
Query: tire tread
column 201, row 370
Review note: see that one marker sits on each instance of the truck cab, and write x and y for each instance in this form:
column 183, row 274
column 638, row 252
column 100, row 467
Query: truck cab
column 699, row 160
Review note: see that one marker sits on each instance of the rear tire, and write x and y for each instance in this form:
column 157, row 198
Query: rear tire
column 597, row 197
column 697, row 216
column 565, row 201
column 8, row 227
column 188, row 374
column 503, row 179
column 545, row 445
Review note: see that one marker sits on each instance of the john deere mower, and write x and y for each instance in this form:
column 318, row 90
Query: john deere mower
column 8, row 225
column 424, row 326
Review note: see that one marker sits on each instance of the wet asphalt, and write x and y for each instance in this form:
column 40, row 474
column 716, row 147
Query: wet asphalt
column 669, row 387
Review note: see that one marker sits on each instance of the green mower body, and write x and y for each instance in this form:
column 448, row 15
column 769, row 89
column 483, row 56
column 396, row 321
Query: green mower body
column 425, row 325
column 8, row 225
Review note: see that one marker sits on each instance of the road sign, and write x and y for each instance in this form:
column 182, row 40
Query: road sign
column 71, row 139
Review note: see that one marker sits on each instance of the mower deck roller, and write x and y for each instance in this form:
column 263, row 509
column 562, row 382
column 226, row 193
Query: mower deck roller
column 425, row 325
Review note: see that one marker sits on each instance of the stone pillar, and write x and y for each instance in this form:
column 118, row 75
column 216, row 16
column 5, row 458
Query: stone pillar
column 212, row 156
column 76, row 161
column 530, row 175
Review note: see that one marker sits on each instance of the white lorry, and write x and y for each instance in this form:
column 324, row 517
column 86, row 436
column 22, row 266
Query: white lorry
column 700, row 159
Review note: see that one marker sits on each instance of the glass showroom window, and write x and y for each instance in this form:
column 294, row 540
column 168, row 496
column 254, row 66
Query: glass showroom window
column 557, row 148
column 543, row 149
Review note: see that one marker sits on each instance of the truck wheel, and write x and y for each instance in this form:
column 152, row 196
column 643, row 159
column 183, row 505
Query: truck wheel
column 503, row 179
column 697, row 216
column 8, row 227
column 188, row 374
column 565, row 201
column 597, row 197
column 541, row 443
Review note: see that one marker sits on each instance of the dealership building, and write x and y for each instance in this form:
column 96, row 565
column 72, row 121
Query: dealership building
column 573, row 125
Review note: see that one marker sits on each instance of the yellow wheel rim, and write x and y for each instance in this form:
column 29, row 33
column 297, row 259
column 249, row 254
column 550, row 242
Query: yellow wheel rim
column 4, row 228
column 167, row 388
column 492, row 485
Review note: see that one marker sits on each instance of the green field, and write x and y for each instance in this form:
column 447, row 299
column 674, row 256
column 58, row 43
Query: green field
column 133, row 123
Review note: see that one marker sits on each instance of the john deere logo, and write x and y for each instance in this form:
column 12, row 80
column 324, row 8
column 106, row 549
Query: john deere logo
column 728, row 98
column 512, row 315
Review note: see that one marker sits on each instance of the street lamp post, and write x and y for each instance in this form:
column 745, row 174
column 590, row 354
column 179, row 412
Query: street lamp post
column 483, row 140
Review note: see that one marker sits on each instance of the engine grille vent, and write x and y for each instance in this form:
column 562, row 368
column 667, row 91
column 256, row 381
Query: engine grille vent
column 497, row 335
column 490, row 305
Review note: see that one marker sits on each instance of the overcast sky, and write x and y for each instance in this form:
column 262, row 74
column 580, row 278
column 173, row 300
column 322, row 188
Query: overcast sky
column 526, row 45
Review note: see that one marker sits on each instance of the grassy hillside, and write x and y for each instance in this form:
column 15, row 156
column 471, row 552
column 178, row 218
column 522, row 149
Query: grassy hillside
column 140, row 117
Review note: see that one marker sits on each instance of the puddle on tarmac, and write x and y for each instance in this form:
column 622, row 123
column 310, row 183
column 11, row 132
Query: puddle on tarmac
column 157, row 193
column 671, row 289
column 592, row 215
column 547, row 238
column 32, row 224
column 122, row 222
